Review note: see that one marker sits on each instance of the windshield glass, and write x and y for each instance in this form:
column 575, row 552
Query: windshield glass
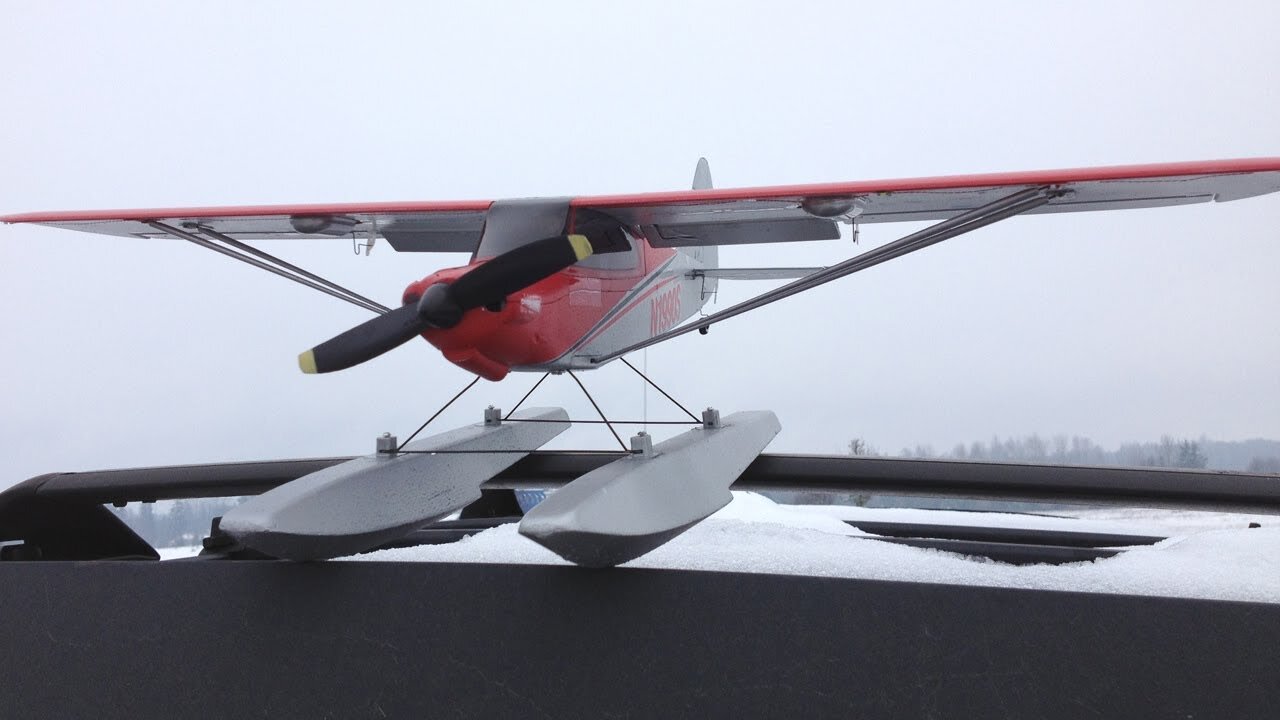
column 512, row 223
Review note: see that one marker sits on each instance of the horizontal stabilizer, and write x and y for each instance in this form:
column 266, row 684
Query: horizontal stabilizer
column 779, row 273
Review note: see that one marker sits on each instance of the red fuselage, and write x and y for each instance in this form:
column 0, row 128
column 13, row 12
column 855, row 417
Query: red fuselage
column 538, row 328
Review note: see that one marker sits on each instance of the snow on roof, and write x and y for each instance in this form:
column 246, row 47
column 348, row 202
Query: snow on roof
column 754, row 535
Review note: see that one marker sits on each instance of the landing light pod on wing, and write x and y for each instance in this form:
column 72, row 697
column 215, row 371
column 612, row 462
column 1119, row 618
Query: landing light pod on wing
column 335, row 225
column 831, row 207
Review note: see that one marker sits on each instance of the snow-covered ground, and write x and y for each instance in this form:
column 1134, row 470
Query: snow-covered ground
column 177, row 553
column 1207, row 555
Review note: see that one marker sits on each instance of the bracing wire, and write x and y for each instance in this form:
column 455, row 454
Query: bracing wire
column 437, row 414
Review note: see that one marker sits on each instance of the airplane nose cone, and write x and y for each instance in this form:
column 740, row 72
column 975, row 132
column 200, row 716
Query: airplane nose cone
column 437, row 307
column 487, row 340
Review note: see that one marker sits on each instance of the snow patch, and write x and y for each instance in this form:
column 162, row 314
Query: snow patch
column 753, row 534
column 177, row 553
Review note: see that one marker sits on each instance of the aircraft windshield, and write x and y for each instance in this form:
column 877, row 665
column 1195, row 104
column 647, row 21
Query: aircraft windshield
column 509, row 225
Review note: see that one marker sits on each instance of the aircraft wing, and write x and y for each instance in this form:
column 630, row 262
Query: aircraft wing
column 407, row 226
column 712, row 216
column 807, row 212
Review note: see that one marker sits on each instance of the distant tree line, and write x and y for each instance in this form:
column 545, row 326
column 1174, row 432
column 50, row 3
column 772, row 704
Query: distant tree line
column 174, row 523
column 1267, row 464
column 1168, row 452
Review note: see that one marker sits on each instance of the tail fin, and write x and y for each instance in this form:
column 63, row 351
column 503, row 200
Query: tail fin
column 702, row 176
column 708, row 256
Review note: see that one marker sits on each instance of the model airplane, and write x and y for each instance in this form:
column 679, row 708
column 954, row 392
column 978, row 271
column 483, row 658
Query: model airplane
column 572, row 283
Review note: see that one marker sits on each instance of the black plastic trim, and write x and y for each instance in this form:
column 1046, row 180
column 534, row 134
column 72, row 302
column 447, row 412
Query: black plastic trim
column 1012, row 553
column 980, row 533
column 64, row 529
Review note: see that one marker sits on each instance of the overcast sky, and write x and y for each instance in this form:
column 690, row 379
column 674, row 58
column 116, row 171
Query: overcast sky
column 1119, row 326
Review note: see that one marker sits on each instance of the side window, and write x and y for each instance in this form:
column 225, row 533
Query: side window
column 615, row 246
column 615, row 259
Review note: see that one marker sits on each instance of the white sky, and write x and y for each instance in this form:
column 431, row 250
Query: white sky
column 1119, row 326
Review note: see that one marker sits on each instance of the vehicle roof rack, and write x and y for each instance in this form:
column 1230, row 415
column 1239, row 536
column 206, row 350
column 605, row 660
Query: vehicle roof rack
column 62, row 515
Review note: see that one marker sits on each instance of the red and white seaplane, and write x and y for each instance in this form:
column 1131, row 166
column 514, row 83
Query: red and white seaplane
column 568, row 284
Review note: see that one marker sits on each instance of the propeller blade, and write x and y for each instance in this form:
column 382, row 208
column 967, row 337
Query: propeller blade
column 442, row 305
column 364, row 341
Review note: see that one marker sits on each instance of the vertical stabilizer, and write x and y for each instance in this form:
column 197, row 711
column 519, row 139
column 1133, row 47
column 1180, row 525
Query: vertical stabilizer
column 702, row 176
column 707, row 256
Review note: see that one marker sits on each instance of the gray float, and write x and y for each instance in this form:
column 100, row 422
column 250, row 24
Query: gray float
column 362, row 503
column 625, row 509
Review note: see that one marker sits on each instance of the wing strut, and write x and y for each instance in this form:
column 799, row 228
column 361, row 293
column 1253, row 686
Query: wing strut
column 992, row 212
column 268, row 262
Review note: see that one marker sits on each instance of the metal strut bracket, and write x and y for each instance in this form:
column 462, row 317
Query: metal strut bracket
column 264, row 261
column 1015, row 204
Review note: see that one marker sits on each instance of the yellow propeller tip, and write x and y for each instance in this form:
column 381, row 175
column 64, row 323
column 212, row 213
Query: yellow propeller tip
column 307, row 361
column 581, row 246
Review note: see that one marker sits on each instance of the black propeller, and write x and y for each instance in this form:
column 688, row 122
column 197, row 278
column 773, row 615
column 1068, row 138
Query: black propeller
column 443, row 305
